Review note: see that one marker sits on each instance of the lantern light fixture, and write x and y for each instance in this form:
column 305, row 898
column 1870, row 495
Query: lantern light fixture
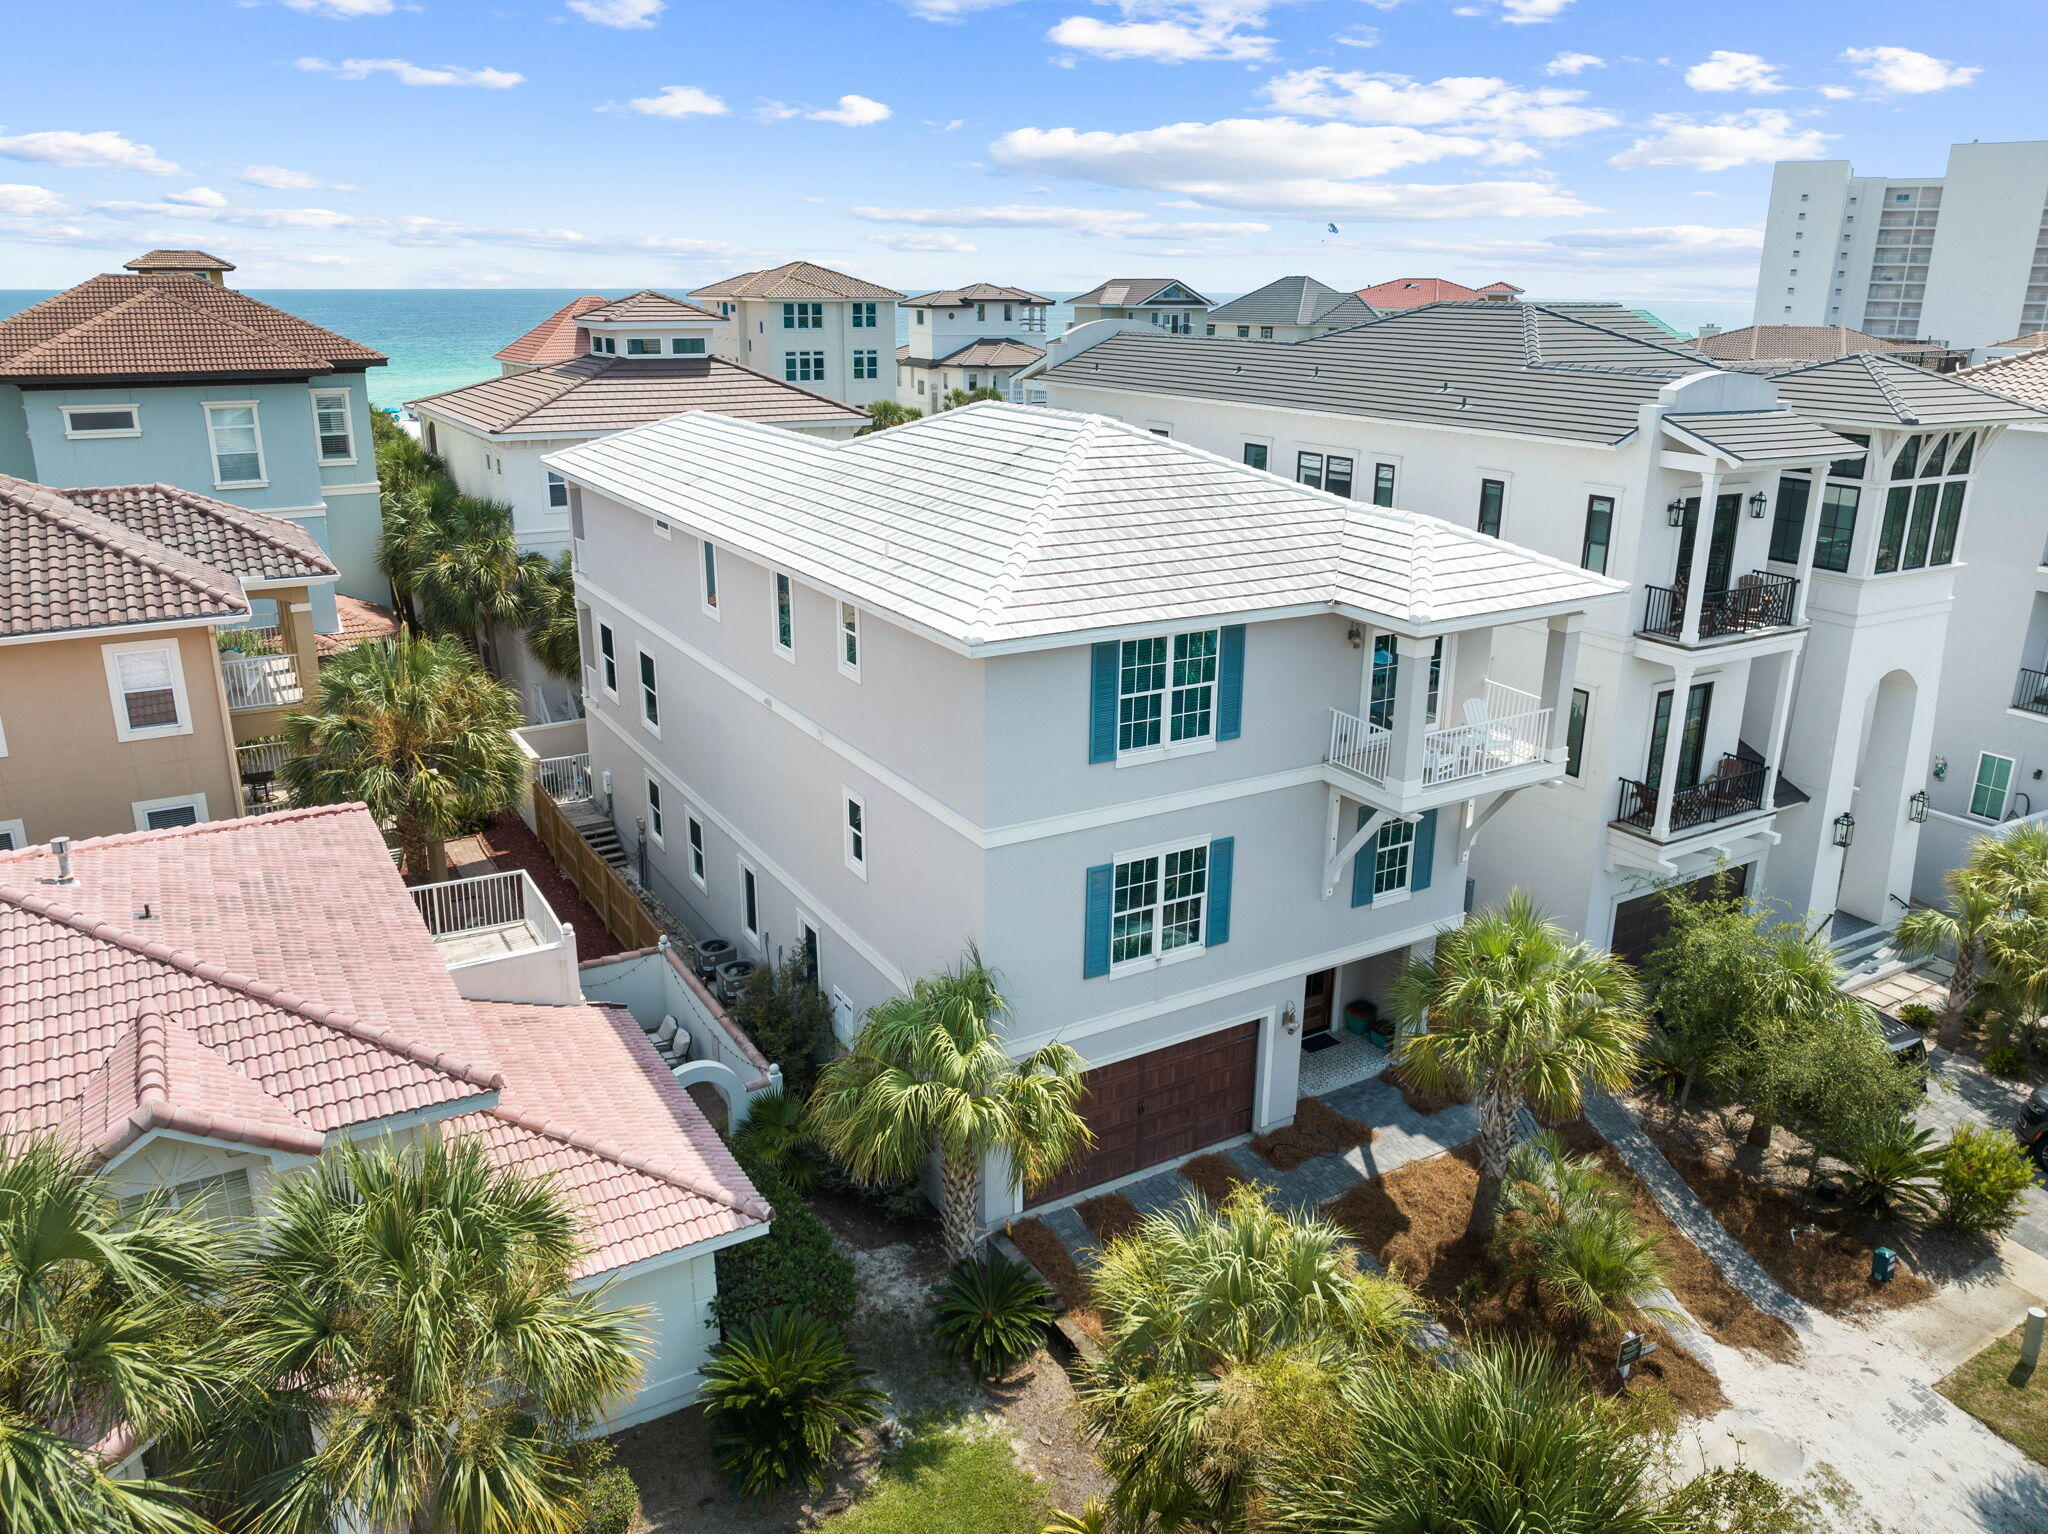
column 1675, row 512
column 1916, row 807
column 1845, row 829
column 1757, row 503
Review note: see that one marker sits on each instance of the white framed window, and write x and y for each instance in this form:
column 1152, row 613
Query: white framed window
column 333, row 427
column 13, row 835
column 650, row 693
column 558, row 492
column 750, row 901
column 166, row 814
column 1393, row 859
column 695, row 827
column 803, row 367
column 608, row 660
column 863, row 316
column 147, row 682
column 102, row 420
column 662, row 529
column 686, row 346
column 643, row 346
column 708, row 581
column 803, row 316
column 222, row 1199
column 655, row 829
column 849, row 640
column 1159, row 898
column 853, row 826
column 1993, row 786
column 1166, row 690
column 785, row 617
column 867, row 363
column 236, row 439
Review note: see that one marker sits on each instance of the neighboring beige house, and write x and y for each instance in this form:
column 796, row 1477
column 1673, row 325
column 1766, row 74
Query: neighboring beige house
column 807, row 324
column 121, row 706
column 1778, row 344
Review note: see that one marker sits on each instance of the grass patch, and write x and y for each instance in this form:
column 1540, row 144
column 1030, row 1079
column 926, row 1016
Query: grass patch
column 1317, row 1130
column 1986, row 1388
column 948, row 1481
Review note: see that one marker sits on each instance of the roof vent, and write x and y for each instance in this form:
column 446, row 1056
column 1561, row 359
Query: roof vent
column 1316, row 370
column 1444, row 387
column 61, row 845
column 1238, row 369
column 1464, row 402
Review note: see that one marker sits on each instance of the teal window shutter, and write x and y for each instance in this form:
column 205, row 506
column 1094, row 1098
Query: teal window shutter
column 1424, row 852
column 1221, row 852
column 1095, row 948
column 1102, row 704
column 1362, row 866
column 1230, row 682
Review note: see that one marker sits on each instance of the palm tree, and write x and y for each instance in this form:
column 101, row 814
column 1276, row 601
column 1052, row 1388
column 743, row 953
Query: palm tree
column 927, row 1075
column 415, row 729
column 417, row 1358
column 1566, row 1229
column 411, row 516
column 1512, row 1010
column 468, row 576
column 102, row 1337
column 884, row 413
column 547, row 594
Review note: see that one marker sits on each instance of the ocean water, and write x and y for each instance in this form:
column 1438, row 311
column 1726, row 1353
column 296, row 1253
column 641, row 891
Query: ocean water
column 438, row 338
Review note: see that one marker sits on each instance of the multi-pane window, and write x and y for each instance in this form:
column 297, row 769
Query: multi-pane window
column 803, row 316
column 222, row 1199
column 650, row 695
column 1493, row 496
column 863, row 316
column 558, row 491
column 785, row 616
column 1382, row 484
column 849, row 639
column 654, row 825
column 1788, row 525
column 1166, row 689
column 1386, row 670
column 803, row 367
column 1324, row 471
column 710, row 577
column 331, row 423
column 608, row 658
column 867, row 363
column 1255, row 454
column 1599, row 533
column 1393, row 858
column 237, row 444
column 1994, row 782
column 696, row 830
column 1575, row 732
column 1157, row 904
column 643, row 346
column 687, row 346
column 146, row 688
column 170, row 816
column 1837, row 532
column 1921, row 520
column 856, row 835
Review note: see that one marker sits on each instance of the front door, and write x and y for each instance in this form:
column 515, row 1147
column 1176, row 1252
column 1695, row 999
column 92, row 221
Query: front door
column 1720, row 551
column 1315, row 1002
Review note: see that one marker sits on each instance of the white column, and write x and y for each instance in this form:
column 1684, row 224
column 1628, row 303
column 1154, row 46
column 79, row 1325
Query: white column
column 1411, row 709
column 1809, row 540
column 1781, row 718
column 1674, row 732
column 1702, row 547
column 1560, row 665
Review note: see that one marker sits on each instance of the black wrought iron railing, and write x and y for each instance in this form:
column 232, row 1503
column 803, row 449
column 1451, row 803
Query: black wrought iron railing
column 1760, row 600
column 2031, row 691
column 1736, row 787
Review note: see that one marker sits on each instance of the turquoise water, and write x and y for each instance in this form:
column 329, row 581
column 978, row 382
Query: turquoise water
column 438, row 338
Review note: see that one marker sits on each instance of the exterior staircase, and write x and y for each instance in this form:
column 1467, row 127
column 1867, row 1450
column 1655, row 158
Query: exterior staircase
column 1862, row 948
column 595, row 827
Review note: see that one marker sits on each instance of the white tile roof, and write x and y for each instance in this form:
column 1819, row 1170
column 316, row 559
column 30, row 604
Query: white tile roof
column 998, row 522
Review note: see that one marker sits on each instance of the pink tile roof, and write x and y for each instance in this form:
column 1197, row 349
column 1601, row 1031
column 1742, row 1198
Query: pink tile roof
column 361, row 622
column 554, row 338
column 2022, row 376
column 1413, row 292
column 269, row 981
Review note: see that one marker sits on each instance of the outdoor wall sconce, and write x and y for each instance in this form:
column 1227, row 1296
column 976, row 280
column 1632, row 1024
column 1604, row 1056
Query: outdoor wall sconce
column 1289, row 1022
column 1916, row 807
column 1757, row 503
column 1845, row 829
column 1940, row 769
column 1675, row 512
column 1357, row 637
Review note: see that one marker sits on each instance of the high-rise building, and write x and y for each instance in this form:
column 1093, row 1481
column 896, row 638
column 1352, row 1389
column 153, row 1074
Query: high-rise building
column 1960, row 258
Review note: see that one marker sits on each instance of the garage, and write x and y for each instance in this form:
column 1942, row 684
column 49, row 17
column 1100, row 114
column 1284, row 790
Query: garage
column 1640, row 923
column 1158, row 1106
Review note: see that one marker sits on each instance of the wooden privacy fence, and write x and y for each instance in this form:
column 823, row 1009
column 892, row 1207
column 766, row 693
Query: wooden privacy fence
column 596, row 880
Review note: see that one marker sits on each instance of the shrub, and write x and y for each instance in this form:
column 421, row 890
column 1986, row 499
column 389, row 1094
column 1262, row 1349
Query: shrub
column 608, row 1503
column 2007, row 1059
column 780, row 1394
column 895, row 1198
column 1566, row 1227
column 796, row 1264
column 774, row 1139
column 990, row 1314
column 1914, row 1015
column 790, row 1021
column 1983, row 1177
column 1739, row 1500
column 1892, row 1172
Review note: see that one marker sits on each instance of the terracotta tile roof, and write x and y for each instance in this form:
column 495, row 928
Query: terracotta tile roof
column 975, row 293
column 2023, row 376
column 243, row 543
column 128, row 1002
column 794, row 279
column 554, row 338
column 1800, row 343
column 361, row 622
column 164, row 326
column 1412, row 292
column 178, row 261
column 64, row 567
column 2026, row 341
column 649, row 305
column 589, row 396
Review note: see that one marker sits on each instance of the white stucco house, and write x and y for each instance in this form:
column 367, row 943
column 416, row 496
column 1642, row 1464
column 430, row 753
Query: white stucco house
column 967, row 338
column 807, row 324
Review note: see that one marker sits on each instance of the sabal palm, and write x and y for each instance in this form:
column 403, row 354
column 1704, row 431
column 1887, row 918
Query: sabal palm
column 927, row 1075
column 409, row 535
column 1566, row 1228
column 417, row 1359
column 101, row 1333
column 1512, row 1008
column 417, row 730
column 467, row 577
column 1995, row 913
column 547, row 597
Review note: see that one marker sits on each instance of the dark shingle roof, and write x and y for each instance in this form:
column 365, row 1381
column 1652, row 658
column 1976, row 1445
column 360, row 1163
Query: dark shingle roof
column 1762, row 436
column 1294, row 301
column 1870, row 390
column 975, row 293
column 589, row 396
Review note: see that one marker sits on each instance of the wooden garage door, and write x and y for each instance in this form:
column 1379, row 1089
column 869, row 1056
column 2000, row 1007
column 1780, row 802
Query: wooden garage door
column 1640, row 924
column 1171, row 1102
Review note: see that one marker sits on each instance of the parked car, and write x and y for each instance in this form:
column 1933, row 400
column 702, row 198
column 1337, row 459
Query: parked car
column 2032, row 1128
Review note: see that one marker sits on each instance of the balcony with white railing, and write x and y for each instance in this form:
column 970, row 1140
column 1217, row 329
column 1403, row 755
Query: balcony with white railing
column 500, row 938
column 1503, row 740
column 261, row 681
column 259, row 767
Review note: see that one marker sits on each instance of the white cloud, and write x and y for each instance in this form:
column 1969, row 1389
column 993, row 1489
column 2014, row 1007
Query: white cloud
column 1569, row 63
column 1838, row 92
column 626, row 15
column 197, row 197
column 242, row 218
column 278, row 179
column 1086, row 221
column 1172, row 31
column 1725, row 71
column 1470, row 103
column 86, row 150
column 1359, row 37
column 952, row 10
column 408, row 73
column 1902, row 72
column 1522, row 13
column 1281, row 166
column 19, row 201
column 852, row 112
column 679, row 101
column 926, row 242
column 345, row 10
column 1754, row 137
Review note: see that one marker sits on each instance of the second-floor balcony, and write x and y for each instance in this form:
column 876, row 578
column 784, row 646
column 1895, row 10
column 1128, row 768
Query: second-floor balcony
column 261, row 681
column 1505, row 732
column 1758, row 602
column 1735, row 788
column 2030, row 692
column 500, row 938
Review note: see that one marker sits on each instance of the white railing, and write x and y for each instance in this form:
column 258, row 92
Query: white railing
column 1359, row 745
column 261, row 681
column 1471, row 750
column 258, row 768
column 1503, row 701
column 563, row 777
column 505, row 899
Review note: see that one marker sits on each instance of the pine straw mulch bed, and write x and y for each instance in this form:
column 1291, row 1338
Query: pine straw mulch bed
column 1215, row 1175
column 1046, row 1252
column 1317, row 1130
column 1827, row 1267
column 1109, row 1217
column 1422, row 1102
column 1413, row 1220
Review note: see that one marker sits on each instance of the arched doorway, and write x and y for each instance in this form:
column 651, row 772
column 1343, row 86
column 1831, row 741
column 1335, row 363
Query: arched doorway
column 1879, row 859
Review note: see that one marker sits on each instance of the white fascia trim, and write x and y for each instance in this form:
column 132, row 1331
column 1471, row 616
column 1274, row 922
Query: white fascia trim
column 763, row 865
column 1019, row 1047
column 291, row 580
column 123, row 630
column 318, row 510
column 659, row 1260
column 283, row 1160
column 364, row 489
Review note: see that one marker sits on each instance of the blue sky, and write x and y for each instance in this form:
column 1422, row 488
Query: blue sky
column 1580, row 148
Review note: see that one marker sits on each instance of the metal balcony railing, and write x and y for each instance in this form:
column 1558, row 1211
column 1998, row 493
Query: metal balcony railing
column 2031, row 691
column 563, row 777
column 507, row 903
column 1761, row 600
column 1734, row 788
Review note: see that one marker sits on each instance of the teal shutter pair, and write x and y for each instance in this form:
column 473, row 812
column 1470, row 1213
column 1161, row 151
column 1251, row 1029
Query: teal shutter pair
column 1422, row 858
column 1104, row 692
column 1101, row 885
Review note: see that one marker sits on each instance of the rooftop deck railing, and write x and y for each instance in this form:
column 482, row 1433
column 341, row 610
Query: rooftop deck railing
column 506, row 899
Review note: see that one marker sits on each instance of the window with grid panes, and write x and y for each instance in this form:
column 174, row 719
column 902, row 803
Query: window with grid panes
column 803, row 367
column 1157, row 904
column 867, row 364
column 1166, row 689
column 863, row 316
column 1393, row 859
column 803, row 316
